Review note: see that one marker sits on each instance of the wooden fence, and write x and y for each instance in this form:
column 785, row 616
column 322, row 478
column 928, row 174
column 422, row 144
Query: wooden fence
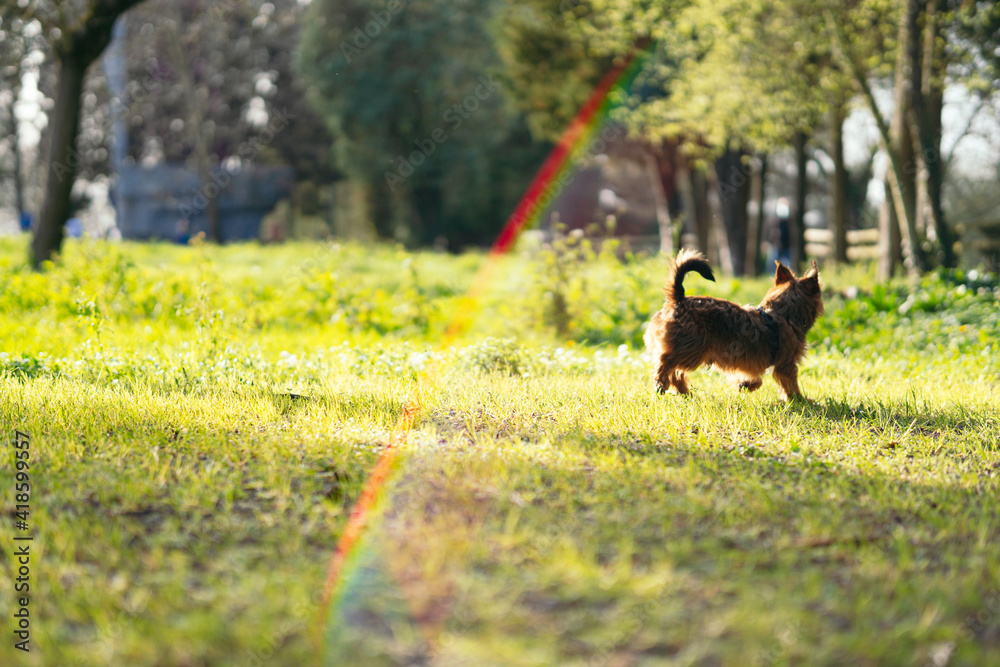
column 861, row 243
column 980, row 241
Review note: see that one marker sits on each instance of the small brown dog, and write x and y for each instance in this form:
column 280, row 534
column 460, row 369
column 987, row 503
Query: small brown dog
column 743, row 341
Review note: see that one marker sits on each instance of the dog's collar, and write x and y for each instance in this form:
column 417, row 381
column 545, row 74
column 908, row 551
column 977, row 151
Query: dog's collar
column 772, row 325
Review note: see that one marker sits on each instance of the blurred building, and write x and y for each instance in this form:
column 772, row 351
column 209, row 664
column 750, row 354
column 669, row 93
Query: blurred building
column 169, row 202
column 615, row 182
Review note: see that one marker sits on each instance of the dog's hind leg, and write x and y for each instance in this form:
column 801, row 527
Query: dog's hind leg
column 750, row 384
column 665, row 373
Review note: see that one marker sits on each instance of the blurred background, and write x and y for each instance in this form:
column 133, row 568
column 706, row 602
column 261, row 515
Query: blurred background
column 846, row 130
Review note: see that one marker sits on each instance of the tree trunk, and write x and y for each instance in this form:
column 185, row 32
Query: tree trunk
column 756, row 232
column 839, row 195
column 904, row 167
column 15, row 147
column 914, row 110
column 429, row 202
column 892, row 141
column 935, row 180
column 64, row 121
column 798, row 221
column 927, row 95
column 716, row 224
column 662, row 208
column 382, row 208
column 75, row 50
column 890, row 249
column 702, row 214
column 686, row 193
column 734, row 194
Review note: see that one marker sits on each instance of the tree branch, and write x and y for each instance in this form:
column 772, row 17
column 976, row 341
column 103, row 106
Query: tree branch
column 91, row 34
column 963, row 134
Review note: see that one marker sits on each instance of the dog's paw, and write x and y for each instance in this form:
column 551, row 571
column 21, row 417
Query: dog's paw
column 660, row 389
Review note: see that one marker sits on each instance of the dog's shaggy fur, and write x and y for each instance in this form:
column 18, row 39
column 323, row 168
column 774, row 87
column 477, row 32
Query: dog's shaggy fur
column 743, row 341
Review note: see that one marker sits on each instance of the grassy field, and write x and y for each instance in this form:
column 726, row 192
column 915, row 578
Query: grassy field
column 202, row 421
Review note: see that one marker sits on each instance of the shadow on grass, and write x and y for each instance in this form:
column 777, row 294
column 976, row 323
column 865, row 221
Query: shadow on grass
column 756, row 542
column 910, row 416
column 380, row 409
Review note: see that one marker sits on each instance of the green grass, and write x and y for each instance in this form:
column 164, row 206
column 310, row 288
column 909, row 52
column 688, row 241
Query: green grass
column 548, row 507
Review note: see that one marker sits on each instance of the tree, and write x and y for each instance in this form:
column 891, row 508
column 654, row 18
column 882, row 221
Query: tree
column 409, row 92
column 731, row 79
column 78, row 31
column 710, row 85
column 936, row 44
column 207, row 79
column 555, row 52
column 18, row 38
column 841, row 178
column 925, row 54
column 736, row 92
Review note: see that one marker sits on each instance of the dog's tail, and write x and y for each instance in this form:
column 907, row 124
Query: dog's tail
column 687, row 260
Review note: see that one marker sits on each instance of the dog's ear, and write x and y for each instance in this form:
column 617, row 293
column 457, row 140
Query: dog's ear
column 783, row 274
column 811, row 280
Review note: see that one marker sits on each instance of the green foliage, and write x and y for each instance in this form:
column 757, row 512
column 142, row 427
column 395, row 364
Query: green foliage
column 972, row 40
column 102, row 299
column 548, row 65
column 229, row 49
column 496, row 356
column 409, row 91
column 947, row 311
column 710, row 78
column 560, row 280
column 204, row 419
column 592, row 297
